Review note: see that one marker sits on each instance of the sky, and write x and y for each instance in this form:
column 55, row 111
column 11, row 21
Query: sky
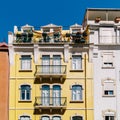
column 42, row 12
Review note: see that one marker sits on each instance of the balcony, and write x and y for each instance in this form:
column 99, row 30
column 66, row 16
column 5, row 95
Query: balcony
column 50, row 102
column 50, row 71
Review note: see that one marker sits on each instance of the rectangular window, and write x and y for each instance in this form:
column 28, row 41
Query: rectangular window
column 25, row 62
column 108, row 60
column 76, row 62
column 108, row 88
column 46, row 64
column 108, row 92
column 109, row 118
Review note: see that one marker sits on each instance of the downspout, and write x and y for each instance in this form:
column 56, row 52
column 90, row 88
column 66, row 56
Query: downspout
column 85, row 88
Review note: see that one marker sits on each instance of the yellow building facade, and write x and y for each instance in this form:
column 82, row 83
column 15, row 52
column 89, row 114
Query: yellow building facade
column 51, row 74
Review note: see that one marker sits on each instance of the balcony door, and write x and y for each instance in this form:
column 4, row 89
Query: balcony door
column 45, row 118
column 56, row 118
column 46, row 64
column 56, row 64
column 56, row 95
column 45, row 95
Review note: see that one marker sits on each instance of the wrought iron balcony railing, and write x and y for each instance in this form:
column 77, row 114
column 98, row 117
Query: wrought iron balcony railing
column 55, row 70
column 50, row 102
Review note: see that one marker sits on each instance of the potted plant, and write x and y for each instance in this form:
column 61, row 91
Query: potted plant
column 97, row 19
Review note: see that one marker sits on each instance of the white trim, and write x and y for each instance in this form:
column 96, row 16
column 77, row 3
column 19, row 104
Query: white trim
column 77, row 115
column 24, row 114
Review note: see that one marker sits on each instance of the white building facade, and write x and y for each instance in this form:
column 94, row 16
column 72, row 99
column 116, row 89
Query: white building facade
column 104, row 32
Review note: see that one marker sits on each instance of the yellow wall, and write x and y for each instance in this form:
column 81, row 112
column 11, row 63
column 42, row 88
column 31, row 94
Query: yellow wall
column 17, row 107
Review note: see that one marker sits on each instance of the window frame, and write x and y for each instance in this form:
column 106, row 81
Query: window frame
column 76, row 62
column 77, row 116
column 29, row 65
column 25, row 93
column 24, row 116
column 112, row 89
column 110, row 63
column 81, row 94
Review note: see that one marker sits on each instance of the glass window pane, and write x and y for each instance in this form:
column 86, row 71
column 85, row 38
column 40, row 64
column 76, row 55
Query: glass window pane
column 76, row 92
column 77, row 118
column 76, row 62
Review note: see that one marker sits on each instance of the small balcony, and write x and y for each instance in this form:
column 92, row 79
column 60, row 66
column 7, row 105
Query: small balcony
column 50, row 102
column 50, row 71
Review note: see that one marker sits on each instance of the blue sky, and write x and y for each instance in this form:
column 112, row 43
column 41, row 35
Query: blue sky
column 41, row 12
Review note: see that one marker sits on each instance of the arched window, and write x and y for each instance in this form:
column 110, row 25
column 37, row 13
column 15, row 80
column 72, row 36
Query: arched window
column 45, row 95
column 76, row 92
column 24, row 117
column 56, row 118
column 25, row 92
column 45, row 118
column 77, row 118
column 56, row 95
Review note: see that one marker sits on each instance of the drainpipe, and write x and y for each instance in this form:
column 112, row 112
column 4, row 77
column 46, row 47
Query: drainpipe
column 85, row 88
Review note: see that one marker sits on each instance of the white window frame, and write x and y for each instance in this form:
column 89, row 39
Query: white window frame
column 109, row 113
column 108, row 89
column 25, row 93
column 76, row 115
column 76, row 61
column 27, row 60
column 24, row 116
column 81, row 99
column 108, row 60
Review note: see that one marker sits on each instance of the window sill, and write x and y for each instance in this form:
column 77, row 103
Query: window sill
column 25, row 70
column 108, row 95
column 76, row 70
column 108, row 67
column 27, row 101
column 76, row 101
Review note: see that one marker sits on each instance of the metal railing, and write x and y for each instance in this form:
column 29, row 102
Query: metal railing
column 50, row 69
column 50, row 101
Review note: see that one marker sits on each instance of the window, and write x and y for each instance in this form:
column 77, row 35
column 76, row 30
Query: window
column 56, row 95
column 56, row 64
column 46, row 63
column 109, row 118
column 25, row 92
column 108, row 88
column 108, row 60
column 24, row 117
column 76, row 62
column 56, row 118
column 107, row 35
column 77, row 118
column 109, row 114
column 76, row 93
column 25, row 62
column 45, row 118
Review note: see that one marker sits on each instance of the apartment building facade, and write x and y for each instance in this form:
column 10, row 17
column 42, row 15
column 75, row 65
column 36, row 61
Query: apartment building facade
column 51, row 73
column 4, row 81
column 104, row 29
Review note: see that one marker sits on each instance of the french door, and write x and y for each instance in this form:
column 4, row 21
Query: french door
column 46, row 63
column 56, row 64
column 56, row 95
column 45, row 95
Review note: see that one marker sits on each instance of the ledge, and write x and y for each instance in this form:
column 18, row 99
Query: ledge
column 24, row 101
column 108, row 67
column 25, row 70
column 81, row 101
column 76, row 70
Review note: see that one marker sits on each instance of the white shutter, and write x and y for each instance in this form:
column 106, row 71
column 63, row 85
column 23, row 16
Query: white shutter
column 106, row 35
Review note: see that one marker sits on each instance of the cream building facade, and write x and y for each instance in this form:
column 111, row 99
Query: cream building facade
column 51, row 73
